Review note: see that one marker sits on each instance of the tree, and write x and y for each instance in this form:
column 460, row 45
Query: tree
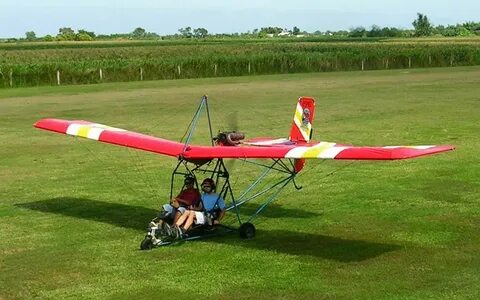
column 200, row 32
column 186, row 32
column 358, row 32
column 472, row 27
column 30, row 35
column 83, row 37
column 422, row 25
column 66, row 31
column 295, row 30
column 138, row 33
column 66, row 34
column 84, row 32
column 270, row 30
column 375, row 31
column 48, row 38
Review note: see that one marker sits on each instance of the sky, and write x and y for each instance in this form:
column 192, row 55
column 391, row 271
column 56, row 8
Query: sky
column 222, row 16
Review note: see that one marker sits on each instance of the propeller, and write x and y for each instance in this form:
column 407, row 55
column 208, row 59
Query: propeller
column 232, row 122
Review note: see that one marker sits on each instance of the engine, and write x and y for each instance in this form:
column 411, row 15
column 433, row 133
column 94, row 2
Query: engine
column 229, row 138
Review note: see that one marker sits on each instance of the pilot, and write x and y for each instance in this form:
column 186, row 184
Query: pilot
column 213, row 209
column 188, row 198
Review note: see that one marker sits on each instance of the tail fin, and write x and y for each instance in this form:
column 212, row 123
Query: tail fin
column 302, row 130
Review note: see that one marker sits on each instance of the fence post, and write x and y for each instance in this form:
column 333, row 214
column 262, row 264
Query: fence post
column 141, row 74
column 409, row 62
column 363, row 64
column 429, row 59
column 386, row 64
column 451, row 60
column 11, row 78
column 249, row 68
column 215, row 67
column 100, row 72
column 58, row 77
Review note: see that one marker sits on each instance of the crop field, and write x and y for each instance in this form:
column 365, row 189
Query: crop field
column 37, row 64
column 73, row 212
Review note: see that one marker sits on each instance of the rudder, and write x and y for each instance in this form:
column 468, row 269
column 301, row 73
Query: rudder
column 301, row 130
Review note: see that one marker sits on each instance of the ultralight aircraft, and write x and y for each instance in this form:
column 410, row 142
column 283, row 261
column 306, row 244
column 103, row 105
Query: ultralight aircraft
column 284, row 156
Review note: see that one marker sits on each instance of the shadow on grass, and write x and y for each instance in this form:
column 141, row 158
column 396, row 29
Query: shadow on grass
column 315, row 245
column 121, row 215
column 128, row 216
column 289, row 242
column 276, row 211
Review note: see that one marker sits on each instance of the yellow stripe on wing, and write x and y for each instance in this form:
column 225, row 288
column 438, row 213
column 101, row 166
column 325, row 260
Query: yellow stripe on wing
column 316, row 151
column 320, row 150
column 90, row 131
column 83, row 131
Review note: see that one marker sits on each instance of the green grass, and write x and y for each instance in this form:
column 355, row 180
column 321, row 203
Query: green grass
column 73, row 212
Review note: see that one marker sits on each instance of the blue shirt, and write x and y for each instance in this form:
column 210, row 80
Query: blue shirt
column 209, row 201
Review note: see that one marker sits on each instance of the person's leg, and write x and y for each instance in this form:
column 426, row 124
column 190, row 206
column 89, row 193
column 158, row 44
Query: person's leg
column 177, row 216
column 182, row 218
column 189, row 221
column 179, row 211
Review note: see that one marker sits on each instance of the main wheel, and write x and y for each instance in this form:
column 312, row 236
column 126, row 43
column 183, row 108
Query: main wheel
column 247, row 230
column 147, row 243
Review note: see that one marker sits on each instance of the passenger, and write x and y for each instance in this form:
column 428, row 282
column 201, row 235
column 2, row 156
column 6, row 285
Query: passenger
column 189, row 198
column 213, row 207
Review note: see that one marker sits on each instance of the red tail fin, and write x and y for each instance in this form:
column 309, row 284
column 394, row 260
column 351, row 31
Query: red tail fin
column 301, row 130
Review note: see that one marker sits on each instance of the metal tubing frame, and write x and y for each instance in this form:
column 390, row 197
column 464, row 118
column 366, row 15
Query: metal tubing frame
column 272, row 197
column 220, row 171
column 176, row 172
column 193, row 123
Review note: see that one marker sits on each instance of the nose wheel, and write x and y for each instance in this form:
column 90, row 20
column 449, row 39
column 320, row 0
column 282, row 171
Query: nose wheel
column 147, row 243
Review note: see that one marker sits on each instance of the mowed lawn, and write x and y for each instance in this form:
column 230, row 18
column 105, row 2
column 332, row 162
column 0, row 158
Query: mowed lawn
column 73, row 212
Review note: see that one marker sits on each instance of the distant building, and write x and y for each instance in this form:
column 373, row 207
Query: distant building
column 285, row 32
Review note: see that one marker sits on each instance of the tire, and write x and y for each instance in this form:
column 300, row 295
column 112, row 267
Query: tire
column 247, row 231
column 165, row 230
column 147, row 243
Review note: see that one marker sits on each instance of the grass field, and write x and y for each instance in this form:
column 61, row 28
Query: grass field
column 73, row 212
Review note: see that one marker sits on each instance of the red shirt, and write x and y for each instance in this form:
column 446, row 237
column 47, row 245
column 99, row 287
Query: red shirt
column 190, row 196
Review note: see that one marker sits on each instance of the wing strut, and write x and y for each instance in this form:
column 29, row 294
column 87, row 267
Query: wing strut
column 193, row 124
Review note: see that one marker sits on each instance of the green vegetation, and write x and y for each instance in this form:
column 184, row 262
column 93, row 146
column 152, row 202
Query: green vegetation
column 72, row 211
column 422, row 26
column 79, row 63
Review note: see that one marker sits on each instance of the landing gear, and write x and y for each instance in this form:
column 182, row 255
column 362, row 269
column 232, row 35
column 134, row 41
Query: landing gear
column 157, row 235
column 247, row 230
column 147, row 243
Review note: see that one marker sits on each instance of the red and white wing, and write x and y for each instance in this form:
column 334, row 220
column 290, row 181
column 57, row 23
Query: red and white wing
column 325, row 150
column 322, row 150
column 256, row 149
column 112, row 135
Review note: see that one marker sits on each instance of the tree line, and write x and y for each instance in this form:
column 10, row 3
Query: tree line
column 422, row 27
